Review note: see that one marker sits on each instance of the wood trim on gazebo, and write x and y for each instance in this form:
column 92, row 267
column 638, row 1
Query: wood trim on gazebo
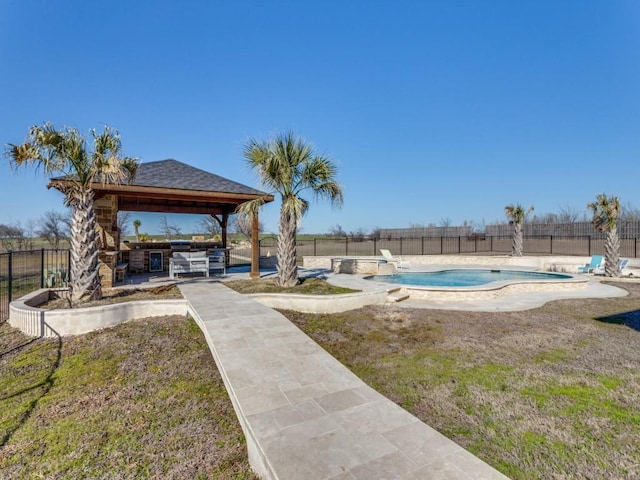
column 111, row 198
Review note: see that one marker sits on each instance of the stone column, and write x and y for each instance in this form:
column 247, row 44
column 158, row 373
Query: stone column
column 109, row 238
column 107, row 219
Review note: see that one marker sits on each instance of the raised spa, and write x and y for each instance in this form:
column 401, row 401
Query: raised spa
column 468, row 277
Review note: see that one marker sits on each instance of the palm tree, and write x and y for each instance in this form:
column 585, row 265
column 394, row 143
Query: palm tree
column 287, row 166
column 136, row 229
column 606, row 211
column 65, row 152
column 517, row 215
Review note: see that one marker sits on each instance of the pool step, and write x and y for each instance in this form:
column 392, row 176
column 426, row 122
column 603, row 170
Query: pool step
column 396, row 295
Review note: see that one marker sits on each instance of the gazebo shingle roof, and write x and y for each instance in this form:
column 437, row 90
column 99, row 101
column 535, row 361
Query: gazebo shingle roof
column 173, row 174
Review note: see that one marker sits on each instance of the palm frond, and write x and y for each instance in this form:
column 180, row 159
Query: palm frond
column 130, row 166
column 606, row 211
column 331, row 191
column 517, row 213
column 294, row 206
column 251, row 207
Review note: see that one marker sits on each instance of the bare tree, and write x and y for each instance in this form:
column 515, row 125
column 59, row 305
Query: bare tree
column 242, row 224
column 630, row 213
column 209, row 226
column 11, row 236
column 53, row 227
column 29, row 234
column 337, row 231
column 546, row 218
column 476, row 227
column 569, row 214
column 123, row 223
column 358, row 234
column 169, row 230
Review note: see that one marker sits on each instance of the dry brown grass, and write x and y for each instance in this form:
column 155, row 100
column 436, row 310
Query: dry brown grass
column 308, row 286
column 549, row 393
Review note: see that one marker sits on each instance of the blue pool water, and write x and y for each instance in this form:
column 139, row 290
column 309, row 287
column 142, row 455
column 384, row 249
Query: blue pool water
column 463, row 277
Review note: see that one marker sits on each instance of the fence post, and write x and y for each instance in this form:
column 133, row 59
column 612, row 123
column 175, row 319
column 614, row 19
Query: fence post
column 459, row 244
column 400, row 245
column 589, row 245
column 422, row 245
column 441, row 245
column 314, row 247
column 375, row 244
column 42, row 268
column 551, row 244
column 346, row 246
column 10, row 273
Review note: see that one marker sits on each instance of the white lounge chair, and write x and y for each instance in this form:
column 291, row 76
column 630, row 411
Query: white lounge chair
column 395, row 260
column 623, row 268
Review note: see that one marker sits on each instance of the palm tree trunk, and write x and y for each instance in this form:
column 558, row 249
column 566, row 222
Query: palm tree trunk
column 517, row 245
column 287, row 269
column 612, row 254
column 85, row 278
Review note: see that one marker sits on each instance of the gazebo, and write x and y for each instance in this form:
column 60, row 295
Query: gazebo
column 170, row 186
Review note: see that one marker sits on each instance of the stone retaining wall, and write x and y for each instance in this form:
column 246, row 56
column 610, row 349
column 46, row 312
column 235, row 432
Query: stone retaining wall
column 26, row 316
column 320, row 303
column 555, row 263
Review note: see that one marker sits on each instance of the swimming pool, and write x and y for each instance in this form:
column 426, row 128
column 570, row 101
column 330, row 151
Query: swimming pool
column 468, row 277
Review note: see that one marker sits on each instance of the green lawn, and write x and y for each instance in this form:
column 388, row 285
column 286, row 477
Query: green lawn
column 141, row 400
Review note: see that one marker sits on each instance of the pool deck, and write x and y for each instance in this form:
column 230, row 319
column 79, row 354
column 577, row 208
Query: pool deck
column 513, row 301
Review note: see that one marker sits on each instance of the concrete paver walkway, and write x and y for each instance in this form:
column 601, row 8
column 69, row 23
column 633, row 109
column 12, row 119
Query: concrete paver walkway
column 305, row 415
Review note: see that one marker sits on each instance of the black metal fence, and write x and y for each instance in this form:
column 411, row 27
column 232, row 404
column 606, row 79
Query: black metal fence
column 473, row 244
column 24, row 271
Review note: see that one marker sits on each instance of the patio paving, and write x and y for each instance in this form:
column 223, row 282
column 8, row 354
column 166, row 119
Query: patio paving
column 305, row 415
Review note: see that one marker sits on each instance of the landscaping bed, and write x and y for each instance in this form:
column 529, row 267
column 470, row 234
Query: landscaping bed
column 308, row 286
column 59, row 299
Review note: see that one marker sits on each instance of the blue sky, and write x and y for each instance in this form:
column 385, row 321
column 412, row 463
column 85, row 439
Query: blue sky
column 431, row 109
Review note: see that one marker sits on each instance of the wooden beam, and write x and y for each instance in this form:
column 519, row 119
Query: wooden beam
column 178, row 194
column 143, row 206
column 255, row 248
